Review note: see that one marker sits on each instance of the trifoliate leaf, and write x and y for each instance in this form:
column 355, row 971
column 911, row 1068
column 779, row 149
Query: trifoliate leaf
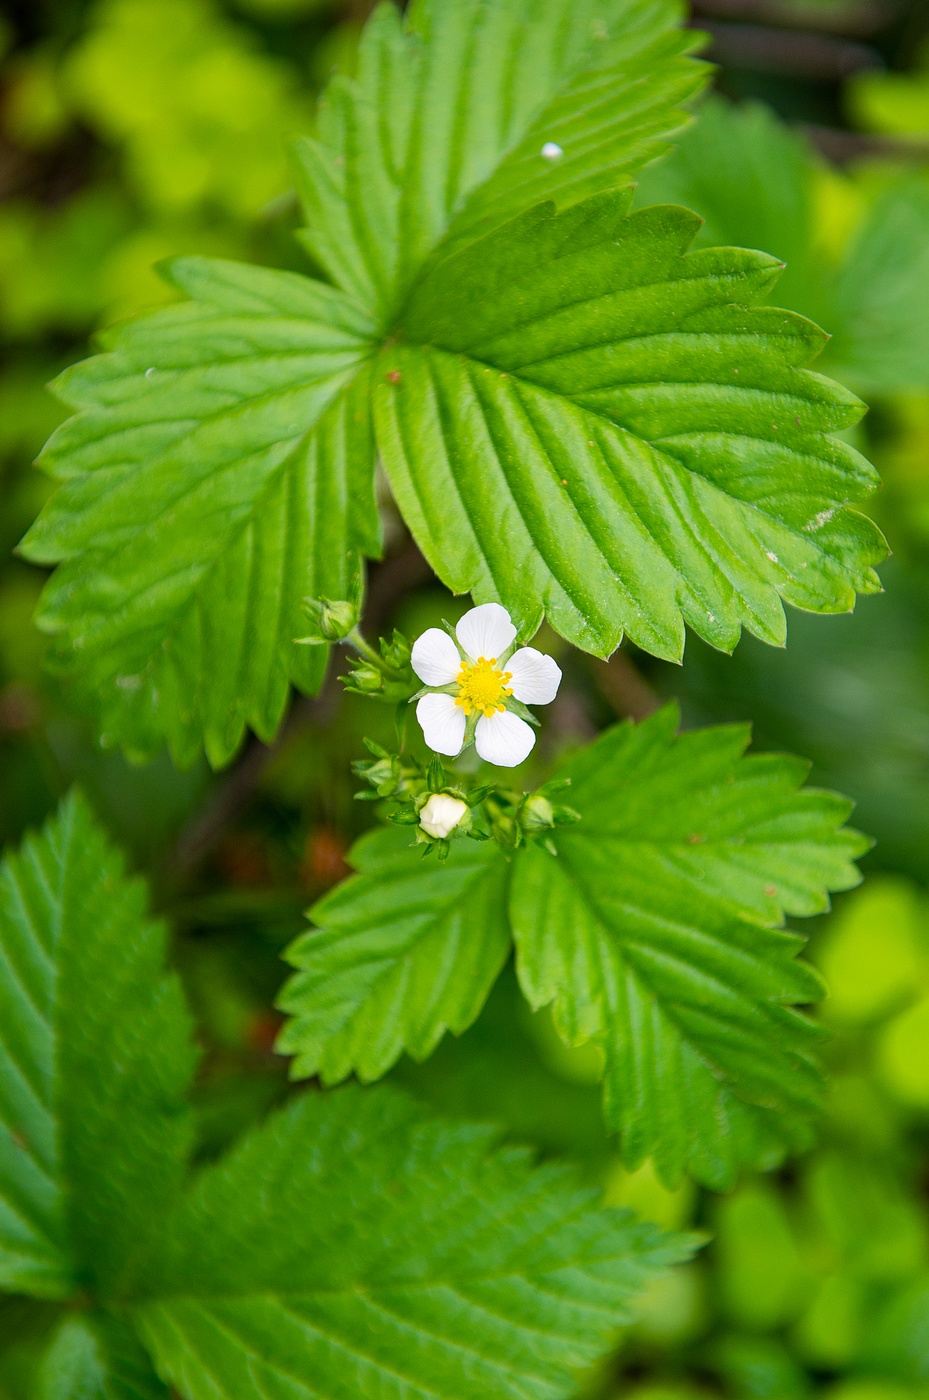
column 593, row 422
column 651, row 933
column 467, row 112
column 94, row 1063
column 219, row 470
column 352, row 1247
column 404, row 951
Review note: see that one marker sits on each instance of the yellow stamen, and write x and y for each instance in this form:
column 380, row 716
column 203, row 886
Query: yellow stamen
column 483, row 687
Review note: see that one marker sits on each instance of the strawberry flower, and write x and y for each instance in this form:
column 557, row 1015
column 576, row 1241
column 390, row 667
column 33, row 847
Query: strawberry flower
column 477, row 687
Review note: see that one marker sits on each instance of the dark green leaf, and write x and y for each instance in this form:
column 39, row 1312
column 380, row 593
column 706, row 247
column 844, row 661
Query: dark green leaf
column 351, row 1248
column 94, row 1063
column 218, row 471
column 404, row 952
column 594, row 423
column 442, row 134
column 96, row 1357
column 651, row 933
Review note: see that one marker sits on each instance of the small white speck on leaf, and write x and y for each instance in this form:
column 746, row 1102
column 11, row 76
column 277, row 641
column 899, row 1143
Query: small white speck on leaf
column 773, row 557
column 150, row 371
column 552, row 151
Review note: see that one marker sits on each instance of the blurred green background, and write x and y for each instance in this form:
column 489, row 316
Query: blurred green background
column 131, row 130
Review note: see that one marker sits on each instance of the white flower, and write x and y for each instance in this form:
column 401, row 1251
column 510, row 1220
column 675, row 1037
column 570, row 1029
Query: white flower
column 473, row 683
column 442, row 814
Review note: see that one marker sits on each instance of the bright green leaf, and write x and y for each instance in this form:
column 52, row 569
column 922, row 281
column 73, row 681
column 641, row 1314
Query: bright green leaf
column 578, row 417
column 594, row 423
column 458, row 115
column 349, row 1247
column 871, row 954
column 651, row 933
column 403, row 952
column 94, row 1063
column 219, row 470
column 750, row 177
column 759, row 184
column 762, row 1281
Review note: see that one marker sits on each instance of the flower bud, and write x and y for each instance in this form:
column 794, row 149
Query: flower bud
column 442, row 814
column 331, row 619
column 366, row 679
column 536, row 814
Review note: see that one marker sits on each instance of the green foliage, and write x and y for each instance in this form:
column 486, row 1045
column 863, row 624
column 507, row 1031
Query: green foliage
column 641, row 393
column 93, row 1128
column 204, row 119
column 856, row 250
column 426, row 1263
column 579, row 415
column 661, row 423
column 407, row 953
column 444, row 136
column 881, row 296
column 246, row 406
column 751, row 180
column 97, row 1358
column 311, row 1255
column 653, row 932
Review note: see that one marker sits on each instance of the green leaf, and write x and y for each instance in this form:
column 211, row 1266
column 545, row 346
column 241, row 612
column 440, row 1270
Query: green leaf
column 351, row 1247
column 751, row 178
column 651, row 933
column 754, row 181
column 882, row 295
column 93, row 1128
column 219, row 469
column 96, row 1357
column 897, row 1342
column 597, row 424
column 403, row 952
column 442, row 134
column 578, row 417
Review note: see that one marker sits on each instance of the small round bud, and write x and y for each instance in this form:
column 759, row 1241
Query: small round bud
column 442, row 814
column 331, row 619
column 367, row 679
column 336, row 619
column 537, row 814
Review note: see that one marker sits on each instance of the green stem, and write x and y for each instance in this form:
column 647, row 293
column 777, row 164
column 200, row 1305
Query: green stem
column 356, row 640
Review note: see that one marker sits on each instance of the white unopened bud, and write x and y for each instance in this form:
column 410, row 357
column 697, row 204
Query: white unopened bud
column 442, row 814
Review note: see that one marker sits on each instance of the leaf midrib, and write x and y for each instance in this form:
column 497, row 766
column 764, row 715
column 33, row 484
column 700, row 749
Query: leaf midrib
column 668, row 1007
column 668, row 460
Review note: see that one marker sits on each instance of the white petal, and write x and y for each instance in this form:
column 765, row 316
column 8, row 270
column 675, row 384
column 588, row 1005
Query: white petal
column 536, row 677
column 435, row 657
column 443, row 723
column 442, row 814
column 504, row 739
column 485, row 631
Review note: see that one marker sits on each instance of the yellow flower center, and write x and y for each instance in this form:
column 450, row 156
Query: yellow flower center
column 482, row 687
